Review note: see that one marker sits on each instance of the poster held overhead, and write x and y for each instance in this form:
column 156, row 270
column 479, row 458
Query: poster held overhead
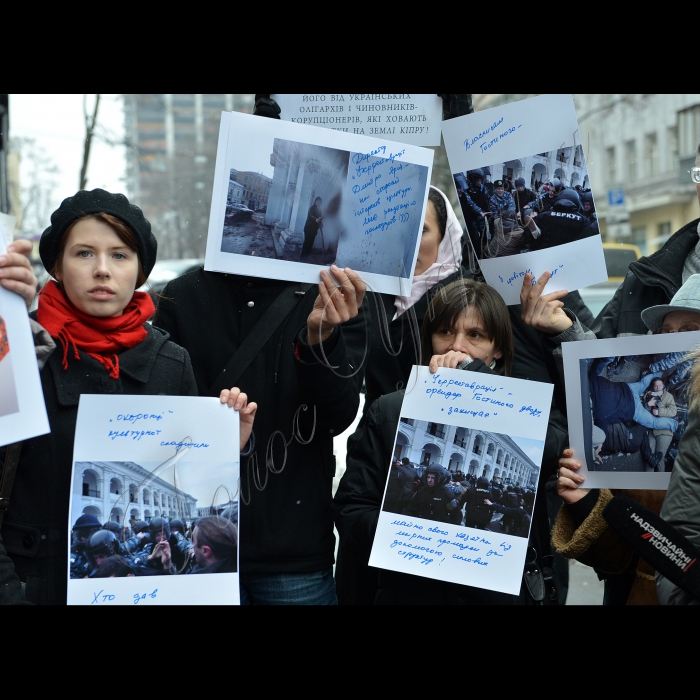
column 154, row 460
column 487, row 427
column 524, row 190
column 627, row 405
column 331, row 198
column 413, row 119
column 22, row 408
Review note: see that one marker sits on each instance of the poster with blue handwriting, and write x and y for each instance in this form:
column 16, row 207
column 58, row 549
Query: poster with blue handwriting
column 290, row 199
column 154, row 460
column 542, row 216
column 461, row 488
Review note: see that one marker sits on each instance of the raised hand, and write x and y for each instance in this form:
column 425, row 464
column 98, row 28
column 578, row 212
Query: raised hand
column 568, row 479
column 334, row 305
column 450, row 360
column 16, row 272
column 237, row 400
column 543, row 312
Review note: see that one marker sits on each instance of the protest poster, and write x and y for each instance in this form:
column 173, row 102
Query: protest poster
column 407, row 118
column 331, row 198
column 545, row 225
column 490, row 428
column 627, row 405
column 142, row 458
column 22, row 408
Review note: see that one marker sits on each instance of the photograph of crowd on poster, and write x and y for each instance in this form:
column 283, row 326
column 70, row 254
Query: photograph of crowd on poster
column 455, row 475
column 153, row 511
column 289, row 199
column 527, row 204
column 521, row 178
column 462, row 482
column 157, row 524
column 633, row 407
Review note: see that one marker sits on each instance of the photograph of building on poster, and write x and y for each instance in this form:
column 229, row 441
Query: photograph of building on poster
column 527, row 204
column 635, row 410
column 321, row 205
column 170, row 522
column 466, row 477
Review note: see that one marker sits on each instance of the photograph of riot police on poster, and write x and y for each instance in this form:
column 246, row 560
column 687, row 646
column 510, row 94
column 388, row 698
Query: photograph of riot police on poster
column 471, row 478
column 635, row 411
column 132, row 519
column 528, row 204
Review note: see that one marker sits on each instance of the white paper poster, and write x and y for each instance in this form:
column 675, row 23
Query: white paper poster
column 7, row 227
column 484, row 426
column 627, row 405
column 330, row 198
column 407, row 118
column 539, row 141
column 22, row 408
column 145, row 457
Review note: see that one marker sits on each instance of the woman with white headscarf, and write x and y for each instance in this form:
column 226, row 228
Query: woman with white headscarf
column 394, row 347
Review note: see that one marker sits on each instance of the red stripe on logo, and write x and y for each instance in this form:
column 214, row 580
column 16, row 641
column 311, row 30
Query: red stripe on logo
column 646, row 535
column 689, row 565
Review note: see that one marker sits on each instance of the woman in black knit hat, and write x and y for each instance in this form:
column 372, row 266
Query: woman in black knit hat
column 100, row 249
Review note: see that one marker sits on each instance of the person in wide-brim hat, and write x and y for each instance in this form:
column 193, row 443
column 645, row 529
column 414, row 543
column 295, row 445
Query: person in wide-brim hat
column 681, row 314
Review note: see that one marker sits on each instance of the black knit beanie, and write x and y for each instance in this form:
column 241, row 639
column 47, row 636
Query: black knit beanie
column 94, row 202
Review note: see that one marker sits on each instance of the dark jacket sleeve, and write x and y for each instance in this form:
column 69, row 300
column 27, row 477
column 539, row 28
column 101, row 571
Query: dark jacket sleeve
column 332, row 383
column 606, row 323
column 10, row 586
column 359, row 497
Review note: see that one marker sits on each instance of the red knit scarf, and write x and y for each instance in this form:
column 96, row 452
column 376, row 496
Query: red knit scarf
column 101, row 338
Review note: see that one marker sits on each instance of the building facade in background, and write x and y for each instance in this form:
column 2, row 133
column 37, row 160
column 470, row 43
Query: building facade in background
column 126, row 492
column 474, row 452
column 170, row 168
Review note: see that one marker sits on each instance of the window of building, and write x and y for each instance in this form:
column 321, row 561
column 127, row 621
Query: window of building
column 631, row 158
column 639, row 238
column 610, row 164
column 688, row 130
column 672, row 149
column 651, row 155
column 664, row 232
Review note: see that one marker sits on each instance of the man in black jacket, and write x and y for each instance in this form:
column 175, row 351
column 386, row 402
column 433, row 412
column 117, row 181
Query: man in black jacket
column 306, row 380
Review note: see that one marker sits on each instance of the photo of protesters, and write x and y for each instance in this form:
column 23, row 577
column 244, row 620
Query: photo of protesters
column 155, row 513
column 527, row 204
column 635, row 410
column 471, row 478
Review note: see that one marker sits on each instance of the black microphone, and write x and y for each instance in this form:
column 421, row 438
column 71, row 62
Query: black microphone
column 655, row 541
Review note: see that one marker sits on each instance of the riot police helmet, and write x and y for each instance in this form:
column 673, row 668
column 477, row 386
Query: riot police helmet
column 101, row 545
column 114, row 527
column 176, row 525
column 139, row 526
column 85, row 526
column 159, row 526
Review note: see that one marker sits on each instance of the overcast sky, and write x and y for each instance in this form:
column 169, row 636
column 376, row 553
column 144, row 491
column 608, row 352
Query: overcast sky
column 57, row 125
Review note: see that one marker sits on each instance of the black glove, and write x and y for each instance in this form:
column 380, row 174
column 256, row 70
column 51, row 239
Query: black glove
column 267, row 107
column 455, row 106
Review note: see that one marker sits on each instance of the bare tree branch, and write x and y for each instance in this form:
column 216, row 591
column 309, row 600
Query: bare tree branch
column 89, row 133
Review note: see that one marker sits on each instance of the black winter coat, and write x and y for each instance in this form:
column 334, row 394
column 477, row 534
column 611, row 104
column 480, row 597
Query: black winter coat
column 36, row 529
column 286, row 520
column 650, row 281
